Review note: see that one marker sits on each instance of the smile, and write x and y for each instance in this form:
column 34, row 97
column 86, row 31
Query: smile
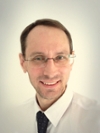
column 49, row 83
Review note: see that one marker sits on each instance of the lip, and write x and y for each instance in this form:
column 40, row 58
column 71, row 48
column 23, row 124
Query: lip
column 49, row 84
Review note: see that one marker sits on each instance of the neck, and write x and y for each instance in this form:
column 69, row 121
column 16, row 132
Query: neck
column 46, row 103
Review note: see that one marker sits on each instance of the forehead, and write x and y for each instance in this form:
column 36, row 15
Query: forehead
column 45, row 39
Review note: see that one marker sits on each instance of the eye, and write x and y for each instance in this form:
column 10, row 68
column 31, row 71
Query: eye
column 38, row 58
column 60, row 57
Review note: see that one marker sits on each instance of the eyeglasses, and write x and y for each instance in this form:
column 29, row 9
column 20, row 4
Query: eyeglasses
column 39, row 61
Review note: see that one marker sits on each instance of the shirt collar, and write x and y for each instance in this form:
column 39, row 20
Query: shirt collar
column 56, row 111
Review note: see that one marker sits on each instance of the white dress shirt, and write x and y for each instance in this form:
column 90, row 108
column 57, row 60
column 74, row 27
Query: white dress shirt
column 72, row 113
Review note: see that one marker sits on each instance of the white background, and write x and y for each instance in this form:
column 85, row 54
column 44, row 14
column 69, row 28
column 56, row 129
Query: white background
column 81, row 18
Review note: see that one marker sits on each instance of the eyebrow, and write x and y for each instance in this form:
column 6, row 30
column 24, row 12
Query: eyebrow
column 62, row 52
column 36, row 53
column 41, row 53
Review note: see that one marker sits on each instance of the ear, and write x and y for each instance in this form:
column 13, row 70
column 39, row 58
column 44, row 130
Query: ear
column 73, row 53
column 22, row 63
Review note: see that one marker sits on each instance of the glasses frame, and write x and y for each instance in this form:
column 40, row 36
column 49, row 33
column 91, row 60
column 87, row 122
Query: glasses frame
column 54, row 59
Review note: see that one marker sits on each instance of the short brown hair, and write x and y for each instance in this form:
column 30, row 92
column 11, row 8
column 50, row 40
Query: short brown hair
column 45, row 22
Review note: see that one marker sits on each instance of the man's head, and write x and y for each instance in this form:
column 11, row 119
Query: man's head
column 44, row 22
column 46, row 53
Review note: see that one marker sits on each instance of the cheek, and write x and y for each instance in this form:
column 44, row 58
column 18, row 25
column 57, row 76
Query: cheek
column 33, row 76
column 66, row 70
column 65, row 73
column 34, row 73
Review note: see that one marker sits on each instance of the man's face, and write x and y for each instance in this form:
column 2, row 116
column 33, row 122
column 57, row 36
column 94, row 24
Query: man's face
column 49, row 81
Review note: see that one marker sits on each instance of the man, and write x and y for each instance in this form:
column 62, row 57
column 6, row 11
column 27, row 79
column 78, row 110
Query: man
column 48, row 57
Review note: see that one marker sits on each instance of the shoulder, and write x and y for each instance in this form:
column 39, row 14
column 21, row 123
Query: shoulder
column 25, row 109
column 85, row 102
column 18, row 117
column 86, row 112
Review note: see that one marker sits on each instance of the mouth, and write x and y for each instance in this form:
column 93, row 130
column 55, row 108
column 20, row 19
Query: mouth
column 50, row 84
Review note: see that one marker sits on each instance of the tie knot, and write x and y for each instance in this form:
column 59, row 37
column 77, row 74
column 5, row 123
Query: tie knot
column 42, row 122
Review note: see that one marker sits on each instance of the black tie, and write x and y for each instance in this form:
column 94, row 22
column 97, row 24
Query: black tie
column 42, row 122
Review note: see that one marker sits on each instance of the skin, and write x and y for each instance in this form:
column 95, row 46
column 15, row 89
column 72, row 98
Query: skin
column 49, row 41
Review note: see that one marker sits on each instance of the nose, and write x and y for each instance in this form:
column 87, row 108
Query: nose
column 50, row 69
